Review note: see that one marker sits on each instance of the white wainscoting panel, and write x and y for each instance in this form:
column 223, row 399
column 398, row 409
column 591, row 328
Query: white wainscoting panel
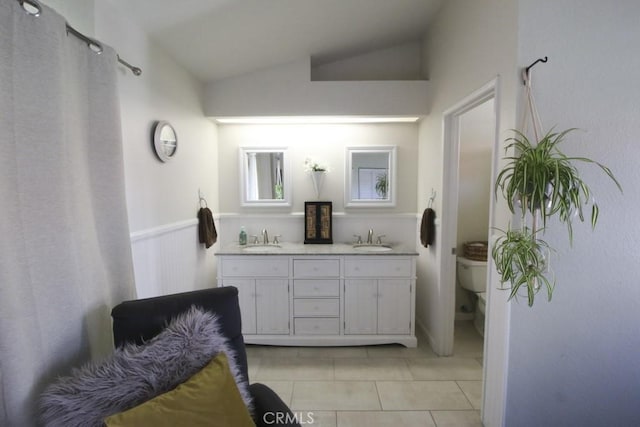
column 169, row 259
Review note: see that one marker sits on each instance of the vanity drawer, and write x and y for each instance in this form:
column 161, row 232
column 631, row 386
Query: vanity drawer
column 316, row 268
column 316, row 288
column 255, row 267
column 377, row 267
column 316, row 326
column 316, row 307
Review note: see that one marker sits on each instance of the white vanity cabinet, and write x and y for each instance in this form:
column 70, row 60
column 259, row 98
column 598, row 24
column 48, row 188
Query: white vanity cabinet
column 263, row 292
column 378, row 295
column 324, row 300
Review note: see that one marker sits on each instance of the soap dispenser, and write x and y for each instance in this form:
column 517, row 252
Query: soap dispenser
column 242, row 239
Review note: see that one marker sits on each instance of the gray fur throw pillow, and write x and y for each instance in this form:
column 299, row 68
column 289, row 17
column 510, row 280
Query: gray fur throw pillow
column 134, row 374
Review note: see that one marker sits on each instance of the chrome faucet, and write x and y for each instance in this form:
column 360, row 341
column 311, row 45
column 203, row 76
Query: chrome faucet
column 265, row 236
column 370, row 237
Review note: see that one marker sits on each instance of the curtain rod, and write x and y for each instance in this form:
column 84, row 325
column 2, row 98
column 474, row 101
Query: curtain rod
column 33, row 8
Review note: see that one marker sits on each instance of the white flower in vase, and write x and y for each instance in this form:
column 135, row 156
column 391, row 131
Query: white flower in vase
column 317, row 171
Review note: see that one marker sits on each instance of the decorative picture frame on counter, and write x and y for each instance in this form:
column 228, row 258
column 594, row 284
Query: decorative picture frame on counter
column 318, row 222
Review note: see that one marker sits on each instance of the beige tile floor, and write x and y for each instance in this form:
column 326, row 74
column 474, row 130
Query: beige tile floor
column 375, row 386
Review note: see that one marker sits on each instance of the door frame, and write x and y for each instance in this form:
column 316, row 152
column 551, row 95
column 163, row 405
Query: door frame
column 495, row 360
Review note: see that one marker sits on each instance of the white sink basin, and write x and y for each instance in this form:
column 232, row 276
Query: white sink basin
column 262, row 248
column 372, row 248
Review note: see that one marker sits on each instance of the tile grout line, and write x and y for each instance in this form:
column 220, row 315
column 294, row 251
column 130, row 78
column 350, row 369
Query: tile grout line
column 464, row 394
column 375, row 383
column 433, row 418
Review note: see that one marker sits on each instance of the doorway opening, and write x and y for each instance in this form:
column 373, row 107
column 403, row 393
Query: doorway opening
column 476, row 130
column 470, row 151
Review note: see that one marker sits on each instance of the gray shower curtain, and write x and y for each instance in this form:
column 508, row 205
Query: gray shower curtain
column 65, row 255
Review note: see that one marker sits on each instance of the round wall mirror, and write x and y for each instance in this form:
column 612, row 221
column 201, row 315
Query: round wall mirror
column 165, row 141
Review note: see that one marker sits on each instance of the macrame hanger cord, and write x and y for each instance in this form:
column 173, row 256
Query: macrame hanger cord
column 530, row 111
column 530, row 114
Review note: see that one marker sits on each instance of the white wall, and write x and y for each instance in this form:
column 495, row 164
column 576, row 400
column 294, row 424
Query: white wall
column 159, row 193
column 477, row 133
column 402, row 62
column 79, row 13
column 327, row 144
column 287, row 90
column 574, row 361
column 468, row 45
column 460, row 56
column 322, row 142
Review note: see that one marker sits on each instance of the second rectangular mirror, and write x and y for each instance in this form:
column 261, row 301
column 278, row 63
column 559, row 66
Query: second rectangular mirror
column 265, row 177
column 370, row 178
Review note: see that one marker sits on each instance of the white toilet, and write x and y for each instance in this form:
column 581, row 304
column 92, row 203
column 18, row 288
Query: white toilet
column 473, row 277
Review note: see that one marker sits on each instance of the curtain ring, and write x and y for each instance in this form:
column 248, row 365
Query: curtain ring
column 32, row 7
column 94, row 45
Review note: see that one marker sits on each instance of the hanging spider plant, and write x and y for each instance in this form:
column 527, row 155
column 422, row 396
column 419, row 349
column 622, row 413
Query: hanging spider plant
column 543, row 182
column 521, row 260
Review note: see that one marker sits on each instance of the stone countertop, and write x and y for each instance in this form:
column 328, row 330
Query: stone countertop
column 286, row 248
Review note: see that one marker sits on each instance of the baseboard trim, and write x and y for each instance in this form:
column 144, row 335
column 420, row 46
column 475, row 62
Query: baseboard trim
column 425, row 332
column 330, row 340
column 464, row 316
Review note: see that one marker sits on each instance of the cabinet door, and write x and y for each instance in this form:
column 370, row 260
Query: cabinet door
column 360, row 306
column 247, row 300
column 394, row 306
column 272, row 306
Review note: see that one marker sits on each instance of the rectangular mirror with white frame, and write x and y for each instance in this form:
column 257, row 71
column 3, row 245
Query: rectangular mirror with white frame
column 265, row 177
column 370, row 176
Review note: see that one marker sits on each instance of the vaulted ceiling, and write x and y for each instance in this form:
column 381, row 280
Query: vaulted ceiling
column 214, row 39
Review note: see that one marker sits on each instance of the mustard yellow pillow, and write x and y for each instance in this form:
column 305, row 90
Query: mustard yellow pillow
column 209, row 398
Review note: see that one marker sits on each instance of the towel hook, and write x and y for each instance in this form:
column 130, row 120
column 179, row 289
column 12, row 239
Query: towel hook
column 431, row 198
column 201, row 199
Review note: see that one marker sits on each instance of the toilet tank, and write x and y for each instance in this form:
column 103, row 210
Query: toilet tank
column 472, row 274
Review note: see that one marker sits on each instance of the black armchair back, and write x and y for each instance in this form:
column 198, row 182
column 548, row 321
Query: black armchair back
column 140, row 320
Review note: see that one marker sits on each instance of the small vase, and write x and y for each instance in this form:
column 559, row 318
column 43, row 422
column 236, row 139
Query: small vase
column 317, row 177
